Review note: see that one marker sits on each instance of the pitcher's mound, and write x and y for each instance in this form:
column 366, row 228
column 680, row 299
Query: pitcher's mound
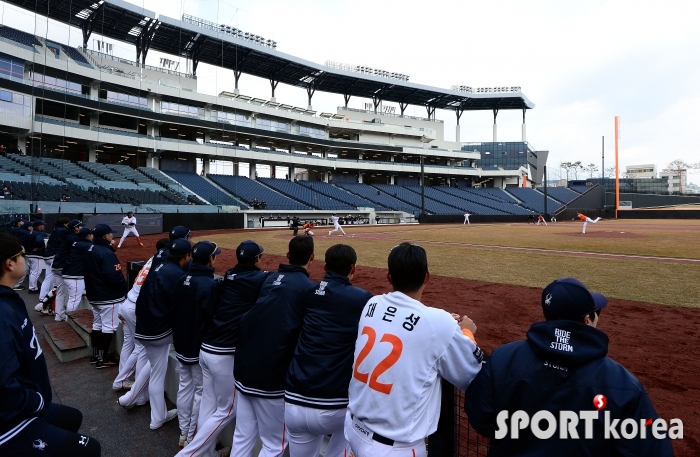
column 607, row 234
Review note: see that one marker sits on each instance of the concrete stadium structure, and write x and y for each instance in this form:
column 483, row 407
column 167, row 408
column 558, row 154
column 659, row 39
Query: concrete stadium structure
column 67, row 107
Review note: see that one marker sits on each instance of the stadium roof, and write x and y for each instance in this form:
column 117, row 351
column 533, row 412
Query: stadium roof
column 129, row 23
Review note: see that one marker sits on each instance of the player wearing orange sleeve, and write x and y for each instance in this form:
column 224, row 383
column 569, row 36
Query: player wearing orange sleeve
column 585, row 219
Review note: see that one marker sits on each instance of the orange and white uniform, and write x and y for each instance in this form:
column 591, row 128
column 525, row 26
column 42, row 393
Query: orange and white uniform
column 307, row 229
column 585, row 219
column 403, row 350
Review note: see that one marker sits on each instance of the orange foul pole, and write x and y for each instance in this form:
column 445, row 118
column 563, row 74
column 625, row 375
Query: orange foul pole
column 617, row 165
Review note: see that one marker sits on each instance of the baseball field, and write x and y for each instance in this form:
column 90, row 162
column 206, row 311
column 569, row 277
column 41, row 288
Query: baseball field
column 650, row 271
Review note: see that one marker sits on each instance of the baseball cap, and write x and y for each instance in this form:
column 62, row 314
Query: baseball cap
column 130, row 212
column 568, row 298
column 248, row 250
column 180, row 246
column 101, row 230
column 205, row 249
column 37, row 223
column 180, row 232
column 84, row 232
column 73, row 223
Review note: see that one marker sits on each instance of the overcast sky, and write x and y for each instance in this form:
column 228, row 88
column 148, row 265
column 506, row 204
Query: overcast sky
column 580, row 62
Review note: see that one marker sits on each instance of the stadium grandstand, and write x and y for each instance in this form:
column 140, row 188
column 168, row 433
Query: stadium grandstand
column 83, row 130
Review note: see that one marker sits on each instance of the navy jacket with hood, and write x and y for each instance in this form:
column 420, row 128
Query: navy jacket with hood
column 154, row 307
column 24, row 380
column 23, row 235
column 319, row 374
column 238, row 292
column 562, row 365
column 269, row 331
column 59, row 261
column 104, row 281
column 196, row 298
column 74, row 265
column 55, row 241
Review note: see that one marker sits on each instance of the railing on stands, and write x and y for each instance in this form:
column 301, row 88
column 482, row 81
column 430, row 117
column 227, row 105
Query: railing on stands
column 102, row 55
column 367, row 111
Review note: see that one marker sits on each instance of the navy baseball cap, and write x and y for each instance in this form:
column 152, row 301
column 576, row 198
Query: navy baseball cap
column 180, row 232
column 568, row 298
column 180, row 246
column 101, row 230
column 205, row 249
column 248, row 250
column 73, row 223
column 84, row 232
column 37, row 223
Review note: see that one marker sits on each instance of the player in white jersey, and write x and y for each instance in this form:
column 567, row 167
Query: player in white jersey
column 403, row 350
column 129, row 223
column 336, row 225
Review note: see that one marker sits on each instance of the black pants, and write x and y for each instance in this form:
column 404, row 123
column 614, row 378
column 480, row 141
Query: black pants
column 52, row 434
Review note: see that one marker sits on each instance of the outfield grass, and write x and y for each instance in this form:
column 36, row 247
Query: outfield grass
column 451, row 253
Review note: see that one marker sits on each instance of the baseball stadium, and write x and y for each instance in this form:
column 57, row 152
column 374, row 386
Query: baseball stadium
column 92, row 137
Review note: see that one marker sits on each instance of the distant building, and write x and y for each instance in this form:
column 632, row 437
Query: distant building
column 641, row 171
column 677, row 180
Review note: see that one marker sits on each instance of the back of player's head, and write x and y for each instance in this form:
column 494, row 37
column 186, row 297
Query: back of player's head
column 340, row 258
column 62, row 221
column 300, row 250
column 408, row 267
column 163, row 242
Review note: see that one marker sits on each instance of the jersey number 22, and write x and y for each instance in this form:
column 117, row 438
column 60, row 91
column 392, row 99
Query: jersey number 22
column 371, row 378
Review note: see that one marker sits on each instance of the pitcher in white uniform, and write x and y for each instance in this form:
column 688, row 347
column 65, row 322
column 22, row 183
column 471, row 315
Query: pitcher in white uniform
column 129, row 223
column 336, row 225
column 403, row 350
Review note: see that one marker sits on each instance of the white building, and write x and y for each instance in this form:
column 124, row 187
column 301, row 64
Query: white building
column 677, row 180
column 641, row 171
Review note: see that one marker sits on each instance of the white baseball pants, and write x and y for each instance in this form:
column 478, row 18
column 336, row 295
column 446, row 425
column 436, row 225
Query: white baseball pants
column 157, row 352
column 259, row 416
column 127, row 231
column 61, row 296
column 131, row 347
column 34, row 265
column 364, row 446
column 592, row 221
column 336, row 227
column 466, row 220
column 75, row 288
column 139, row 393
column 105, row 318
column 538, row 222
column 189, row 397
column 48, row 278
column 307, row 427
column 218, row 406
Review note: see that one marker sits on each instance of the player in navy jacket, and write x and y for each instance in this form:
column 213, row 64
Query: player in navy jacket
column 161, row 254
column 59, row 262
column 34, row 245
column 197, row 297
column 237, row 294
column 561, row 366
column 29, row 422
column 268, row 336
column 72, row 273
column 105, row 288
column 154, row 323
column 55, row 240
column 319, row 374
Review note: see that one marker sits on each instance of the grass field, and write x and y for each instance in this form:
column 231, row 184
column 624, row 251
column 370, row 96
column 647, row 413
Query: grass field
column 654, row 261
